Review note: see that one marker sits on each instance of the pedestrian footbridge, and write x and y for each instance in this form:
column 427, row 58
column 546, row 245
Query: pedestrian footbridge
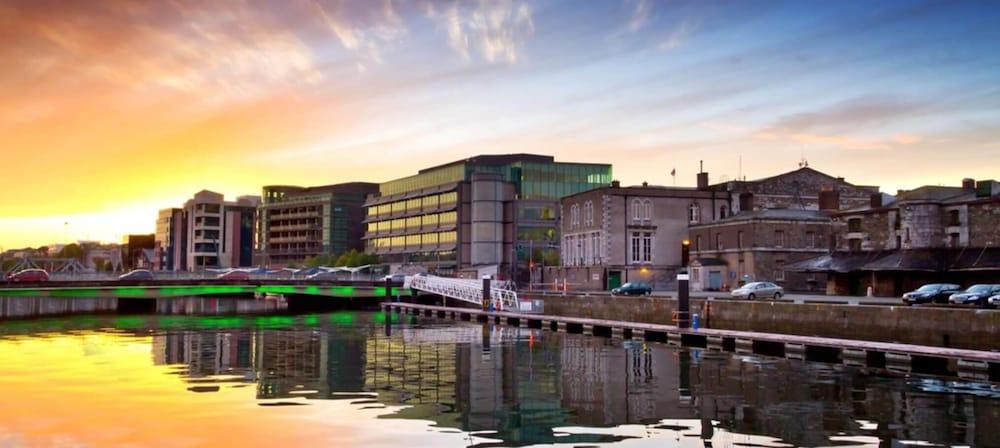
column 502, row 294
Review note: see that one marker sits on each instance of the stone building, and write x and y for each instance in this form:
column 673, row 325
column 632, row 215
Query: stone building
column 756, row 246
column 929, row 234
column 771, row 222
column 616, row 234
column 799, row 189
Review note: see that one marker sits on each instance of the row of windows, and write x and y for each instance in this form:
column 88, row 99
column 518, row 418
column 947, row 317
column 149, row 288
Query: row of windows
column 812, row 241
column 583, row 249
column 414, row 241
column 588, row 214
column 641, row 245
column 412, row 205
column 414, row 222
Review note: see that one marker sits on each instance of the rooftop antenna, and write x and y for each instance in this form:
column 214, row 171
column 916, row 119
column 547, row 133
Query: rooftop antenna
column 739, row 173
column 803, row 162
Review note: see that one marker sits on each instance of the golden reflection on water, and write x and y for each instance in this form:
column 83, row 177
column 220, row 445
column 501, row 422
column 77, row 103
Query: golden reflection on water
column 103, row 389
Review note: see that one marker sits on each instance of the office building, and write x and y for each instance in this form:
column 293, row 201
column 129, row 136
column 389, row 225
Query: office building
column 220, row 234
column 476, row 216
column 171, row 240
column 301, row 222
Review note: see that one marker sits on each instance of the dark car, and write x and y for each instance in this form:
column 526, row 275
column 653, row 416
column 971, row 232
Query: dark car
column 975, row 295
column 234, row 275
column 28, row 276
column 632, row 289
column 932, row 293
column 138, row 274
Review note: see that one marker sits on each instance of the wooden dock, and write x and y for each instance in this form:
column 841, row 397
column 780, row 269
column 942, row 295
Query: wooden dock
column 972, row 364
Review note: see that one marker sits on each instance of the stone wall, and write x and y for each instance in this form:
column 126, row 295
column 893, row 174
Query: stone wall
column 959, row 328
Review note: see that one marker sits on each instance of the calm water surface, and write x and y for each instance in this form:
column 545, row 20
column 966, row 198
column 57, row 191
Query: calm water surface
column 350, row 379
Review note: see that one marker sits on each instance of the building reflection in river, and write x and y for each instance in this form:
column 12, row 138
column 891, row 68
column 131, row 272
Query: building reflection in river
column 528, row 386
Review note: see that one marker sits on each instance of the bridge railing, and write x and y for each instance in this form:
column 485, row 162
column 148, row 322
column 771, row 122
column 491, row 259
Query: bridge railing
column 467, row 290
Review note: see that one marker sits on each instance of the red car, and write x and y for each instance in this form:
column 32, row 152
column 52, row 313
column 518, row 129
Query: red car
column 234, row 275
column 28, row 276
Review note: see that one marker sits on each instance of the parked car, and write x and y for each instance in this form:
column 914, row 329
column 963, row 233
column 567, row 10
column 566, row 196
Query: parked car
column 932, row 293
column 395, row 278
column 975, row 295
column 633, row 289
column 755, row 290
column 994, row 300
column 322, row 276
column 138, row 274
column 28, row 276
column 234, row 275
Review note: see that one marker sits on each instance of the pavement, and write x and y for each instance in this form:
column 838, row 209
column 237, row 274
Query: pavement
column 791, row 297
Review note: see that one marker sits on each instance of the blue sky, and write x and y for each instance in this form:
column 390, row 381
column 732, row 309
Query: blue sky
column 127, row 106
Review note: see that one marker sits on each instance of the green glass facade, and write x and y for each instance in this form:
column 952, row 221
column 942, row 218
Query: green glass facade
column 405, row 221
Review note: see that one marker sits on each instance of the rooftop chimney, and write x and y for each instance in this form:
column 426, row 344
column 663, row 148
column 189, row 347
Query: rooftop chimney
column 829, row 199
column 615, row 184
column 645, row 184
column 746, row 202
column 968, row 184
column 876, row 200
column 702, row 176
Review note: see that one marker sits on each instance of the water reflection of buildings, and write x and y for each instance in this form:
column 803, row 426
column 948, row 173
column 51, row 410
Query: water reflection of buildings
column 523, row 384
column 18, row 307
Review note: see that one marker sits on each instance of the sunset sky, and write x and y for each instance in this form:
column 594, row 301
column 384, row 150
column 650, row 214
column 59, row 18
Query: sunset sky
column 110, row 110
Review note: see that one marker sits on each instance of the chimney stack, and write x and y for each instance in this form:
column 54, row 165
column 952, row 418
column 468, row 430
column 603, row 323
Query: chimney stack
column 702, row 176
column 645, row 184
column 829, row 199
column 615, row 184
column 968, row 184
column 876, row 200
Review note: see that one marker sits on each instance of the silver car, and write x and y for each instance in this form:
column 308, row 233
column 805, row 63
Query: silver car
column 994, row 300
column 754, row 290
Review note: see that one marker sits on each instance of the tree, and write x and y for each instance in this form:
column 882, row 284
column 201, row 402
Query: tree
column 353, row 258
column 72, row 250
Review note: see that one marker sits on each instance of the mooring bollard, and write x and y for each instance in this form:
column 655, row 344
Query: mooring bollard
column 695, row 321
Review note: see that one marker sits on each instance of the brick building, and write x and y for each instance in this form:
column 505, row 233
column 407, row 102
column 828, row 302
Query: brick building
column 756, row 246
column 929, row 234
column 613, row 235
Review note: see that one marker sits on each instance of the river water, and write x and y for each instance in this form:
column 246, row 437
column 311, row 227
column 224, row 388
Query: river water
column 365, row 379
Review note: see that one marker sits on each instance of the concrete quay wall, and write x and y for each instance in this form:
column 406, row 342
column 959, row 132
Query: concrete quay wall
column 974, row 329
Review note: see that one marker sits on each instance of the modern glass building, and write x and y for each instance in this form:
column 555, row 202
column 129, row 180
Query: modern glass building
column 485, row 214
column 301, row 222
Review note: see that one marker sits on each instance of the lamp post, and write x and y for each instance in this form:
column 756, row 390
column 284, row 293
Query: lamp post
column 683, row 299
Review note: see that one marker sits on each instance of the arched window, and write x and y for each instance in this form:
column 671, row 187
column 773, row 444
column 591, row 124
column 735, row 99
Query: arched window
column 574, row 214
column 636, row 210
column 647, row 209
column 694, row 214
column 588, row 213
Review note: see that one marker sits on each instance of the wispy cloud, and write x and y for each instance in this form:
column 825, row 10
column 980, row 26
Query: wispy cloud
column 640, row 15
column 678, row 36
column 497, row 30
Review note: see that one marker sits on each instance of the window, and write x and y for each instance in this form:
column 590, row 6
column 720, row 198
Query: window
column 954, row 239
column 811, row 240
column 718, row 242
column 895, row 220
column 636, row 210
column 595, row 241
column 647, row 247
column 779, row 272
column 588, row 213
column 697, row 243
column 635, row 247
column 854, row 225
column 447, row 218
column 953, row 218
column 430, row 202
column 854, row 244
column 574, row 213
column 723, row 211
column 647, row 210
column 694, row 214
column 899, row 242
column 779, row 238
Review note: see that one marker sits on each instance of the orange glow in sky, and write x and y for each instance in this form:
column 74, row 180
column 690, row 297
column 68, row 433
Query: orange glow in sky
column 110, row 110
